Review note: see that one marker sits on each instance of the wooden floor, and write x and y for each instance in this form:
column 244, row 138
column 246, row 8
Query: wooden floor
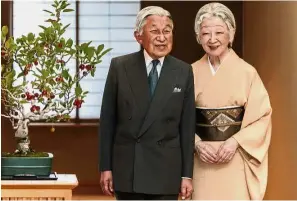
column 91, row 197
column 89, row 193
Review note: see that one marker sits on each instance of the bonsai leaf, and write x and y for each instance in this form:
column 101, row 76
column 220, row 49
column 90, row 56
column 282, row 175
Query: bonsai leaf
column 61, row 95
column 21, row 74
column 52, row 82
column 93, row 72
column 9, row 79
column 45, row 73
column 4, row 30
column 23, row 101
column 99, row 49
column 43, row 27
column 48, row 11
column 67, row 10
column 65, row 27
column 69, row 42
column 9, row 43
column 104, row 52
column 90, row 52
column 30, row 37
column 78, row 90
column 84, row 46
column 65, row 74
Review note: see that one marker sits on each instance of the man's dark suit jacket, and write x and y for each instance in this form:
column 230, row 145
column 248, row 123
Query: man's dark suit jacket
column 147, row 142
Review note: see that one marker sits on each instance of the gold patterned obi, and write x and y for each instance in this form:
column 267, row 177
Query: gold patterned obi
column 218, row 124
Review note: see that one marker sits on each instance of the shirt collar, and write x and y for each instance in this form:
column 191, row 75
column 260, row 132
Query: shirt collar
column 149, row 59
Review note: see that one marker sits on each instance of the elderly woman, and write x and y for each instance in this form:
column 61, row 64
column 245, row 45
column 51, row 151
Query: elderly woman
column 233, row 115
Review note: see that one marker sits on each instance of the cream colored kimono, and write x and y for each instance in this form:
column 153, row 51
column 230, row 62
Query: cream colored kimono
column 236, row 83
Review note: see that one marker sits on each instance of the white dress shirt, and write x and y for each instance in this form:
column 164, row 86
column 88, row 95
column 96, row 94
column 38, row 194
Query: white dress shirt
column 149, row 64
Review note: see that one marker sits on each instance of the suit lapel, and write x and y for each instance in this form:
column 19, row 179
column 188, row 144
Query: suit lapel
column 137, row 78
column 162, row 93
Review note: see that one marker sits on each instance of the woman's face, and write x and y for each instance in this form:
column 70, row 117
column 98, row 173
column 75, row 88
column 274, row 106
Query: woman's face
column 214, row 36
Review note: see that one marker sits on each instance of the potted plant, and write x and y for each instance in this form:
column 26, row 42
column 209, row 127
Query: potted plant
column 43, row 89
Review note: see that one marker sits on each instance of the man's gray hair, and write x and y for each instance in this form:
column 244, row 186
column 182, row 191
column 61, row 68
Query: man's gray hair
column 147, row 11
column 214, row 10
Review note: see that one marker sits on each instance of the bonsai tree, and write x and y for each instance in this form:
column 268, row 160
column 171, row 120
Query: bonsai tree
column 43, row 89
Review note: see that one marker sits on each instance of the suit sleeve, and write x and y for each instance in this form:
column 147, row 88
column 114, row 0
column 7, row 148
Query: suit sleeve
column 187, row 127
column 108, row 119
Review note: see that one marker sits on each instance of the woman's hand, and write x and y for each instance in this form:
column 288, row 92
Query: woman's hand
column 206, row 152
column 227, row 151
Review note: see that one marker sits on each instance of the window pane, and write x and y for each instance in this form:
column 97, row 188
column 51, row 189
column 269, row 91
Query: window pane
column 123, row 22
column 111, row 24
column 89, row 112
column 121, row 35
column 93, row 34
column 92, row 8
column 93, row 22
column 122, row 8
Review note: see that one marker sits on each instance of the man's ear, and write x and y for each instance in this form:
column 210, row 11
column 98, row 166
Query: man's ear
column 138, row 37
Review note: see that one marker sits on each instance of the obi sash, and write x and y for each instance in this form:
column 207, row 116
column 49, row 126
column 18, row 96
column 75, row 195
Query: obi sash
column 218, row 124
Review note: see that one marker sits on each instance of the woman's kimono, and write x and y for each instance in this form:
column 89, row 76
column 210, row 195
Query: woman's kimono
column 236, row 83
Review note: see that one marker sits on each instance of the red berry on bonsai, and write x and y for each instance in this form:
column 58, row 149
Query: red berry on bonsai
column 52, row 96
column 33, row 108
column 59, row 79
column 81, row 66
column 37, row 108
column 89, row 67
column 44, row 92
column 30, row 97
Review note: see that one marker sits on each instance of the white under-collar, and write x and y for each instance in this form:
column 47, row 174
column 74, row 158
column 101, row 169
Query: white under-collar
column 213, row 71
column 148, row 59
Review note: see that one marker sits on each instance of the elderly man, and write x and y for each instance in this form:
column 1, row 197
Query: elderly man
column 147, row 124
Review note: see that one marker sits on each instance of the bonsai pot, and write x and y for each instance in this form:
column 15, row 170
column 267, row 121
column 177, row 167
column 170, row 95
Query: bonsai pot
column 26, row 166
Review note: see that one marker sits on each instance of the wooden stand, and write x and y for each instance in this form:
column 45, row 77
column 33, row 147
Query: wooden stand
column 60, row 189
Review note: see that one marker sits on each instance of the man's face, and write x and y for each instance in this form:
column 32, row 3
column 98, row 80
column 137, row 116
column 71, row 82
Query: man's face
column 156, row 36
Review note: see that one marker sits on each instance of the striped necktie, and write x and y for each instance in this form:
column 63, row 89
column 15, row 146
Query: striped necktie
column 153, row 77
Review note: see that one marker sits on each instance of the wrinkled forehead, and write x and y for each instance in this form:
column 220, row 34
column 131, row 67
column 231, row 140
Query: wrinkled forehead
column 159, row 21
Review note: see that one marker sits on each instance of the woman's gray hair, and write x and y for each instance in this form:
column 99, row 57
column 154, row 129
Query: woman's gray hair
column 214, row 10
column 147, row 11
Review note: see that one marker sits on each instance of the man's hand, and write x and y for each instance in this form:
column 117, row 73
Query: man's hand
column 106, row 183
column 227, row 150
column 206, row 152
column 186, row 189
